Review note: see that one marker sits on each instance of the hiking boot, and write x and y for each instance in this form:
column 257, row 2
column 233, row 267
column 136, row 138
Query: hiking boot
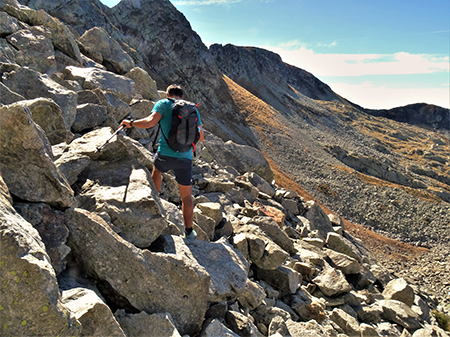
column 191, row 236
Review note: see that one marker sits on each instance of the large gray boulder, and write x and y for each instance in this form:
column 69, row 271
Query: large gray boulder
column 99, row 45
column 143, row 324
column 26, row 160
column 226, row 266
column 95, row 316
column 31, row 84
column 151, row 282
column 34, row 49
column 48, row 115
column 145, row 85
column 30, row 300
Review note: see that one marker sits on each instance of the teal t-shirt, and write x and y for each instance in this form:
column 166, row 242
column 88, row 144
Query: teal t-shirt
column 164, row 108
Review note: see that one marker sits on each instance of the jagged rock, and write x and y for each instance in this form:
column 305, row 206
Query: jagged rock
column 242, row 157
column 252, row 296
column 369, row 314
column 400, row 313
column 218, row 185
column 96, row 41
column 343, row 262
column 31, row 304
column 26, row 160
column 145, row 85
column 332, row 282
column 430, row 331
column 8, row 25
column 48, row 115
column 398, row 289
column 4, row 192
column 212, row 210
column 306, row 329
column 50, row 225
column 381, row 274
column 226, row 266
column 368, row 331
column 285, row 279
column 277, row 327
column 206, row 223
column 264, row 253
column 318, row 220
column 118, row 109
column 34, row 49
column 346, row 322
column 241, row 324
column 265, row 313
column 273, row 231
column 94, row 78
column 88, row 116
column 177, row 284
column 261, row 184
column 143, row 324
column 133, row 205
column 216, row 328
column 338, row 243
column 6, row 95
column 31, row 84
column 94, row 315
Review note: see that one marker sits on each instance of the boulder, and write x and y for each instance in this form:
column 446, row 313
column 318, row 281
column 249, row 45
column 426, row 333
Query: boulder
column 31, row 85
column 285, row 279
column 261, row 184
column 216, row 328
column 332, row 282
column 6, row 95
column 398, row 289
column 50, row 225
column 48, row 115
column 34, row 49
column 99, row 45
column 306, row 329
column 132, row 201
column 143, row 324
column 95, row 316
column 94, row 78
column 26, row 160
column 30, row 300
column 88, row 116
column 338, row 243
column 226, row 266
column 252, row 296
column 343, row 262
column 268, row 226
column 345, row 321
column 145, row 85
column 175, row 282
column 400, row 313
column 318, row 220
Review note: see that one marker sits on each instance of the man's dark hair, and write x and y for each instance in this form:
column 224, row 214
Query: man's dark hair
column 174, row 90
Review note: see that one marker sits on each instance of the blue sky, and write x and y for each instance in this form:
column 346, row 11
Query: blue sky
column 376, row 53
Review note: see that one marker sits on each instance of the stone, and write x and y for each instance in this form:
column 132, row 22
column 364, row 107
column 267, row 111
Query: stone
column 318, row 220
column 212, row 210
column 332, row 282
column 26, row 160
column 94, row 315
column 285, row 279
column 48, row 115
column 31, row 85
column 337, row 243
column 398, row 289
column 400, row 313
column 88, row 116
column 252, row 296
column 176, row 283
column 144, row 324
column 273, row 231
column 144, row 84
column 96, row 41
column 8, row 96
column 50, row 225
column 345, row 321
column 31, row 303
column 216, row 328
column 343, row 262
column 226, row 266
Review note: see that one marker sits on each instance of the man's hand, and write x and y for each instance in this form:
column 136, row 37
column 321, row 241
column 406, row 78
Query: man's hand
column 127, row 123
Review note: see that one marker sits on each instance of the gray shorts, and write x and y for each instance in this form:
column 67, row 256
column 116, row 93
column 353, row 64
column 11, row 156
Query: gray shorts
column 182, row 167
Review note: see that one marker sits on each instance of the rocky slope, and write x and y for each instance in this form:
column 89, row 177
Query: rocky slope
column 85, row 230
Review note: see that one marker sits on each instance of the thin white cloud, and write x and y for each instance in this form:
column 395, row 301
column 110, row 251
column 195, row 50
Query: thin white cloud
column 373, row 96
column 325, row 44
column 400, row 63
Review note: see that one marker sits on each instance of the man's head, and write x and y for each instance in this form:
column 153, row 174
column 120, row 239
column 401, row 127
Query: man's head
column 174, row 90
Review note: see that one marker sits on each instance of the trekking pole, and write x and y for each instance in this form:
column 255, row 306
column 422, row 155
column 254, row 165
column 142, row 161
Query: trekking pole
column 99, row 148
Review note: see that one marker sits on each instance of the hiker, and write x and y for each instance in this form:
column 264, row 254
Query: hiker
column 167, row 159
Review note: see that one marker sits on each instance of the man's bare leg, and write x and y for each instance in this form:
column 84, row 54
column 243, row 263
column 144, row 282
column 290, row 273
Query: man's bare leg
column 157, row 178
column 187, row 207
